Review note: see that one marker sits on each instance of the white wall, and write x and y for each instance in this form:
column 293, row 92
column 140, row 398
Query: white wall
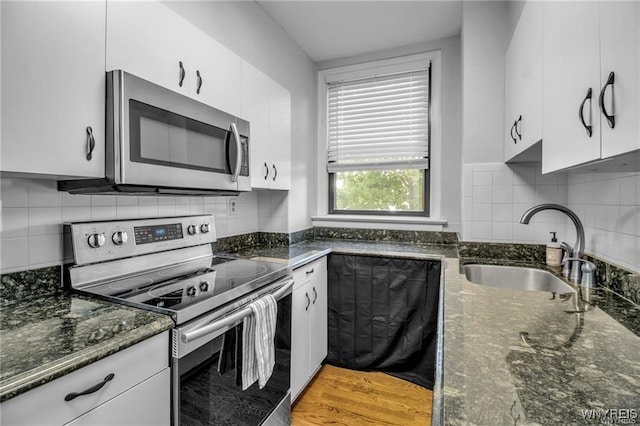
column 246, row 29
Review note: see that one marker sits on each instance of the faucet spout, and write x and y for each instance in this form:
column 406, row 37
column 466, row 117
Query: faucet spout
column 578, row 248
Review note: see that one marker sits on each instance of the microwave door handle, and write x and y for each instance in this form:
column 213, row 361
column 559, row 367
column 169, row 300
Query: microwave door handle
column 236, row 135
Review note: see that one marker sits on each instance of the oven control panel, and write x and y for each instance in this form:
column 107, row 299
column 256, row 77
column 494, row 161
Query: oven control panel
column 109, row 240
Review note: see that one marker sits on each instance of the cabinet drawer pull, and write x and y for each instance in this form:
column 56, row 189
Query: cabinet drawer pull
column 92, row 389
column 519, row 120
column 275, row 172
column 306, row 308
column 182, row 74
column 266, row 171
column 580, row 112
column 610, row 118
column 315, row 295
column 511, row 132
column 91, row 143
column 310, row 271
column 199, row 81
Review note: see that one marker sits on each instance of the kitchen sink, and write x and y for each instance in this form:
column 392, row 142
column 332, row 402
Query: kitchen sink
column 517, row 278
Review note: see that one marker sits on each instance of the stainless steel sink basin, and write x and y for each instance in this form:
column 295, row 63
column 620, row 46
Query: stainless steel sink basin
column 517, row 278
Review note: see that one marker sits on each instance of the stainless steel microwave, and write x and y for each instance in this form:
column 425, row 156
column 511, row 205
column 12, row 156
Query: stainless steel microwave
column 159, row 142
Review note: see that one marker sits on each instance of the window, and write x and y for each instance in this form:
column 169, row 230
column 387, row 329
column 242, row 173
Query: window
column 378, row 140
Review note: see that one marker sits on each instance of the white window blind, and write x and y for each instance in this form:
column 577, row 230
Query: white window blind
column 380, row 122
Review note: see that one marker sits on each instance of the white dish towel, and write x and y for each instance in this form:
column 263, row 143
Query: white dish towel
column 258, row 351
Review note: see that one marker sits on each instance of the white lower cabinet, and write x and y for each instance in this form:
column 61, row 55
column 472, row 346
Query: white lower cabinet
column 309, row 323
column 137, row 393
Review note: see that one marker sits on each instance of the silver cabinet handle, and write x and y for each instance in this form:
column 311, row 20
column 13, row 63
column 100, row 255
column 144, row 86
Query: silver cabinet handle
column 310, row 271
column 266, row 171
column 182, row 73
column 199, row 82
column 306, row 308
column 236, row 171
column 91, row 143
column 315, row 295
column 588, row 128
column 275, row 172
column 95, row 388
column 611, row 119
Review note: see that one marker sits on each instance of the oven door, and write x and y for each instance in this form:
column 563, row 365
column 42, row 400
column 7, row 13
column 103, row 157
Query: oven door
column 208, row 379
column 162, row 138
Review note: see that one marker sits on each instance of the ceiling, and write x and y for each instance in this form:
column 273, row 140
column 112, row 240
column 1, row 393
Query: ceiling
column 332, row 29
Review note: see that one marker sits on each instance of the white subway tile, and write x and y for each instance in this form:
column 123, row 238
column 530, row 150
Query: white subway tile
column 523, row 233
column 482, row 212
column 628, row 191
column 14, row 192
column 546, row 179
column 222, row 228
column 467, row 209
column 182, row 200
column 482, row 231
column 628, row 220
column 482, row 178
column 612, row 222
column 103, row 212
column 148, row 201
column 126, row 200
column 14, row 254
column 45, row 220
column 165, row 210
column 524, row 195
column 103, row 201
column 502, row 231
column 467, row 179
column 502, row 213
column 503, row 194
column 503, row 178
column 147, row 210
column 15, row 222
column 45, row 249
column 183, row 209
column 482, row 194
column 612, row 192
column 467, row 231
column 76, row 214
column 44, row 193
column 166, row 201
column 547, row 194
column 71, row 200
column 601, row 217
column 628, row 252
column 197, row 208
column 127, row 211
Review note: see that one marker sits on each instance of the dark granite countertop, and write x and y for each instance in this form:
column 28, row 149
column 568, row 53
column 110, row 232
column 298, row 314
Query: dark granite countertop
column 48, row 335
column 572, row 365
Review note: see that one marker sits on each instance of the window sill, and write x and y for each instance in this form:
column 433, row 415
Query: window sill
column 405, row 223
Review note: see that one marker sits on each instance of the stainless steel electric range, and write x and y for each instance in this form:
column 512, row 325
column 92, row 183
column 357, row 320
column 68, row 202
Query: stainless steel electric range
column 168, row 265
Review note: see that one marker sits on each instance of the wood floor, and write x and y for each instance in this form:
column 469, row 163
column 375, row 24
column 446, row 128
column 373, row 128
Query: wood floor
column 345, row 397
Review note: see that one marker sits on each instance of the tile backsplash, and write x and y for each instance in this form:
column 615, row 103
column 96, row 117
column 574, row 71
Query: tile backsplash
column 496, row 195
column 33, row 212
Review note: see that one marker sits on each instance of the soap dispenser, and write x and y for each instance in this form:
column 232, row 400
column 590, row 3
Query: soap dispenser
column 554, row 251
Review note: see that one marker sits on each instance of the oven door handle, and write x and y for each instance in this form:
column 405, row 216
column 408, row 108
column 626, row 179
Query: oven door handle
column 192, row 335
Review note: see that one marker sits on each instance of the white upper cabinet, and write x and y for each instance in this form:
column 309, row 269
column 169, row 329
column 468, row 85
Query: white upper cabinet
column 151, row 41
column 523, row 85
column 267, row 107
column 583, row 44
column 620, row 55
column 53, row 88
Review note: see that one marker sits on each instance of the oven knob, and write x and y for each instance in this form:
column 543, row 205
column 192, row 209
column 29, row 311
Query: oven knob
column 192, row 229
column 204, row 285
column 96, row 240
column 191, row 291
column 204, row 228
column 119, row 238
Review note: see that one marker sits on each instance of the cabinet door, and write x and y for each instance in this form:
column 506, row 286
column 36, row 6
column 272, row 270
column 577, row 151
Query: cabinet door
column 255, row 108
column 149, row 40
column 571, row 66
column 53, row 87
column 523, row 69
column 620, row 54
column 280, row 136
column 148, row 403
column 300, row 304
column 318, row 317
column 220, row 73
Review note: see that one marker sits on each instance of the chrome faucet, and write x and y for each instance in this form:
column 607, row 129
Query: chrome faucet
column 578, row 248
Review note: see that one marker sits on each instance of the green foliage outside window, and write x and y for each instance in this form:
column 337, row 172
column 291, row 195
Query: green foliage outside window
column 380, row 190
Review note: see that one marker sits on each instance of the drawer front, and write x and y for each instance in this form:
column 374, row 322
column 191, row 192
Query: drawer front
column 46, row 404
column 148, row 403
column 308, row 272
